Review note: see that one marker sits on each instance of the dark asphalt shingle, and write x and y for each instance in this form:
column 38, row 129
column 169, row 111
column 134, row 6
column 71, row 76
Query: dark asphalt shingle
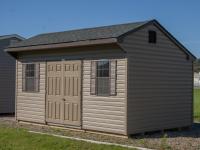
column 112, row 31
column 2, row 37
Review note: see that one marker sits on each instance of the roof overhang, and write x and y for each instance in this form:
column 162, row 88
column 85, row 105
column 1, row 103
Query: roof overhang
column 62, row 45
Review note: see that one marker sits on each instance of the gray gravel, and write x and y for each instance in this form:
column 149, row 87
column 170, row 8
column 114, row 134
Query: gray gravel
column 187, row 139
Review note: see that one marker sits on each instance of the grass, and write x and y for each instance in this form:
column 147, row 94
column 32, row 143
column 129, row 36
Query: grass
column 197, row 104
column 21, row 139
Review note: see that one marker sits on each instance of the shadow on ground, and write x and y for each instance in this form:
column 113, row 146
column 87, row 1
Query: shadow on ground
column 193, row 132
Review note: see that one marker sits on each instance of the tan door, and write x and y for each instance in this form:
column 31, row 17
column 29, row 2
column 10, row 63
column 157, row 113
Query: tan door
column 72, row 91
column 54, row 92
column 63, row 92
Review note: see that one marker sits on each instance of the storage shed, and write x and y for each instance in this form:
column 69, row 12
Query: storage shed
column 7, row 75
column 122, row 79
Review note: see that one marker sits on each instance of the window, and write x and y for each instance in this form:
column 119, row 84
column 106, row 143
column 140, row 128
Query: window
column 103, row 77
column 30, row 78
column 152, row 36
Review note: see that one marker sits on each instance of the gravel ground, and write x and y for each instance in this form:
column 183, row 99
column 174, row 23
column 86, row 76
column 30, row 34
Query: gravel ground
column 188, row 139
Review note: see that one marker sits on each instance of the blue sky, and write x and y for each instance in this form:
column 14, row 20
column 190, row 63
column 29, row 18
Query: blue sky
column 32, row 17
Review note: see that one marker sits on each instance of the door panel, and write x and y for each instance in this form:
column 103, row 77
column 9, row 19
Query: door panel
column 54, row 93
column 66, row 113
column 75, row 112
column 72, row 93
column 63, row 92
column 50, row 109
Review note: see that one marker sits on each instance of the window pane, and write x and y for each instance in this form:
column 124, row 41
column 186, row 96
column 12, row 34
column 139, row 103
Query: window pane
column 30, row 70
column 102, row 79
column 105, row 73
column 31, row 66
column 103, row 86
column 30, row 82
column 30, row 77
column 103, row 69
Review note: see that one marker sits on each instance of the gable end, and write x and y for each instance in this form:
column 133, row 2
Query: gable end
column 165, row 32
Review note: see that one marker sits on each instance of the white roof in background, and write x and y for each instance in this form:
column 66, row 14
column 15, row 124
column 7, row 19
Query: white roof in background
column 196, row 75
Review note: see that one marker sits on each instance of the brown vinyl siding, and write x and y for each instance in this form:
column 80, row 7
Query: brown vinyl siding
column 105, row 113
column 31, row 105
column 159, row 83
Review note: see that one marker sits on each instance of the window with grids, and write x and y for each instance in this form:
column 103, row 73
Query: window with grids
column 102, row 77
column 30, row 81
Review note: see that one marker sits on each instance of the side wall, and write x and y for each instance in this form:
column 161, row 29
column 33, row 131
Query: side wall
column 107, row 114
column 7, row 79
column 159, row 83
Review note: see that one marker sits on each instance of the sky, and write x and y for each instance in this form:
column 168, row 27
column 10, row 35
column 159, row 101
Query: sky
column 31, row 17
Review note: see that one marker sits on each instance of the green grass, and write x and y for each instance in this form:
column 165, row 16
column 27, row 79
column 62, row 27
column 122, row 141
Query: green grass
column 20, row 139
column 197, row 104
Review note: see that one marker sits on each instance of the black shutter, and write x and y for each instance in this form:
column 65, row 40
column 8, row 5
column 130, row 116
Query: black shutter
column 93, row 78
column 113, row 77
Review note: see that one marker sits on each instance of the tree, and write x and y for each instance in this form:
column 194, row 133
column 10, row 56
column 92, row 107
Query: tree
column 197, row 65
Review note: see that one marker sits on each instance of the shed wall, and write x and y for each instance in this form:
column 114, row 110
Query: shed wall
column 7, row 78
column 107, row 114
column 159, row 83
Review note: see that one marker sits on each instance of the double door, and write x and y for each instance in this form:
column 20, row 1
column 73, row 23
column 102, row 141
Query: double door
column 63, row 96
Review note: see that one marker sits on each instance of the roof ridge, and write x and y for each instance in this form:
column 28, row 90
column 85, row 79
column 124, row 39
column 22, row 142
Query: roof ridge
column 71, row 30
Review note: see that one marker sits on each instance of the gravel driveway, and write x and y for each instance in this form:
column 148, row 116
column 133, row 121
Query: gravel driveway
column 188, row 139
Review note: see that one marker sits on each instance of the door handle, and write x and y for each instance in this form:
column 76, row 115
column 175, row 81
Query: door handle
column 64, row 99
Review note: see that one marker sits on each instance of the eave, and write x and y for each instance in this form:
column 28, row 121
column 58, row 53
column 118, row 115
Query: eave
column 62, row 45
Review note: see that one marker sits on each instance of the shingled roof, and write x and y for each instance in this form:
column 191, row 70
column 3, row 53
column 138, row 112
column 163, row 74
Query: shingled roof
column 104, row 32
column 90, row 36
column 2, row 37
